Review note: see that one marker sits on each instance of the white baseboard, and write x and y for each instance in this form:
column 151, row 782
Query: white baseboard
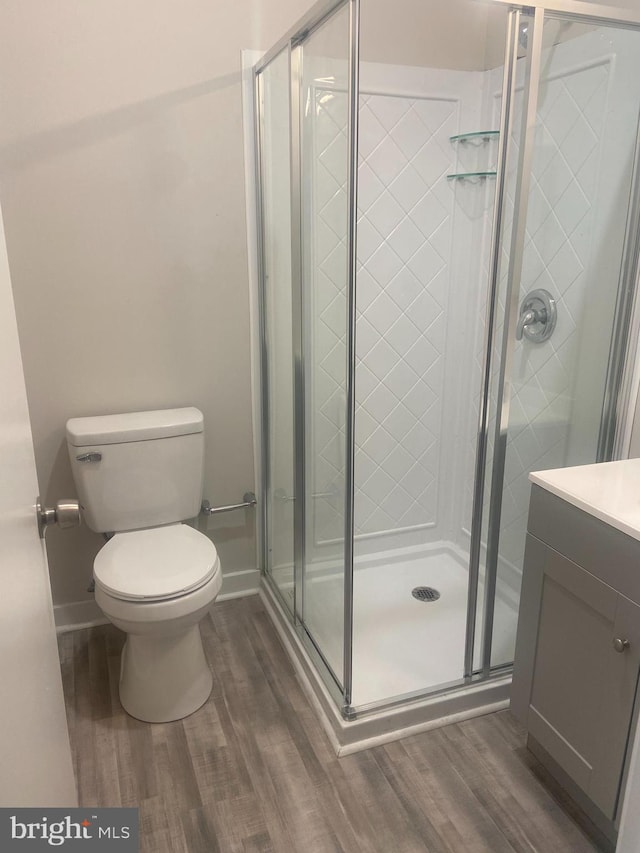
column 76, row 615
column 239, row 584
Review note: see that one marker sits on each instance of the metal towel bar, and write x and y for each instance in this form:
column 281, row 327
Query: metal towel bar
column 248, row 500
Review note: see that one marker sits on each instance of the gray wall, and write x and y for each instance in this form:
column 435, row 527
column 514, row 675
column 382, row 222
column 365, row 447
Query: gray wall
column 122, row 185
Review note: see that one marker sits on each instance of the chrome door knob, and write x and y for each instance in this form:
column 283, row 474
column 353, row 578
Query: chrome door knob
column 621, row 645
column 66, row 513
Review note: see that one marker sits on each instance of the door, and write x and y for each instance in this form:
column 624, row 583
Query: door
column 323, row 64
column 273, row 123
column 305, row 98
column 34, row 744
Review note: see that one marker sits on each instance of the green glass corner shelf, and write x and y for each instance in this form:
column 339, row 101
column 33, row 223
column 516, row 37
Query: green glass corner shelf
column 476, row 135
column 469, row 176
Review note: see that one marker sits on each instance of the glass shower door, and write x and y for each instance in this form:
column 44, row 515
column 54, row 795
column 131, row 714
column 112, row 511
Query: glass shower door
column 274, row 129
column 306, row 141
column 566, row 296
column 324, row 64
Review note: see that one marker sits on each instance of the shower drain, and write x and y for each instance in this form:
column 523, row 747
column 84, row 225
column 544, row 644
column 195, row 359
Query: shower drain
column 425, row 593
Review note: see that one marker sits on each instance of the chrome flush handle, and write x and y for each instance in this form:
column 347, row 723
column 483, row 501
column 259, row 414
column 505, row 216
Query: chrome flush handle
column 92, row 456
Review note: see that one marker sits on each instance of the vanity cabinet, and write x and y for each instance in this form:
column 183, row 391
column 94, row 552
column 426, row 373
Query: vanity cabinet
column 578, row 646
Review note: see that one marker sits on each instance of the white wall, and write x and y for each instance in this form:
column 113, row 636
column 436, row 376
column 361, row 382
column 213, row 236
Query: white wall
column 457, row 34
column 121, row 176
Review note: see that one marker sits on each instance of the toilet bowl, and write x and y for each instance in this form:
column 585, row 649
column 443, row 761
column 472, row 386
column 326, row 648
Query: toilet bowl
column 139, row 477
column 164, row 674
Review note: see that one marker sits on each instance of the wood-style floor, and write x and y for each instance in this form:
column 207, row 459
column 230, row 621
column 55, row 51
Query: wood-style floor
column 253, row 771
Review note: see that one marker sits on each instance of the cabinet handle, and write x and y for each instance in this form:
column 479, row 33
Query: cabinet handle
column 621, row 645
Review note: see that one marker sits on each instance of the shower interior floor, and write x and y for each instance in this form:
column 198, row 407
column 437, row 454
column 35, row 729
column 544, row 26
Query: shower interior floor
column 402, row 645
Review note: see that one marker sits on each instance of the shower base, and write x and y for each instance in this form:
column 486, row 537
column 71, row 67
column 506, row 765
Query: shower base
column 401, row 646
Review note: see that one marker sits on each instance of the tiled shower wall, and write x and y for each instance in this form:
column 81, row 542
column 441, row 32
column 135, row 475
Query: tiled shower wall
column 404, row 241
column 412, row 404
column 422, row 245
column 420, row 292
column 415, row 307
column 326, row 271
column 559, row 240
column 573, row 243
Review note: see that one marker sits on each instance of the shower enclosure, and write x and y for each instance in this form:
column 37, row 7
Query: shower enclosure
column 448, row 220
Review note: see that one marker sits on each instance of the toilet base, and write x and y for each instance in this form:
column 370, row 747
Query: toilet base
column 164, row 678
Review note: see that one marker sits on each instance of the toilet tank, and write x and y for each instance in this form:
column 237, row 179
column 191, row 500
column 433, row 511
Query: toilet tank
column 137, row 470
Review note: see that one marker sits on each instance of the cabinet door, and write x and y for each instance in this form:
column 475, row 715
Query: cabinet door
column 583, row 689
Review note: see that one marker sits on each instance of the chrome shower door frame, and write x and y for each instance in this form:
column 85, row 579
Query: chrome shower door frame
column 484, row 415
column 612, row 424
column 294, row 41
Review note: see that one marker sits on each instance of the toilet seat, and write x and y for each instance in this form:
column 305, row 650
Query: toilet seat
column 155, row 564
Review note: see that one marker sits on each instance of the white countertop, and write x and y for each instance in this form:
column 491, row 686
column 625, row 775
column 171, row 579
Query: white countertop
column 609, row 491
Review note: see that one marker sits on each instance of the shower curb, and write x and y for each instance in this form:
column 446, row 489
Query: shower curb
column 383, row 726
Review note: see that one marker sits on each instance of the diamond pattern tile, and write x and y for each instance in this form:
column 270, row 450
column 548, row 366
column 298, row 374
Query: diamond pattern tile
column 385, row 214
column 403, row 201
column 408, row 188
column 558, row 242
column 405, row 319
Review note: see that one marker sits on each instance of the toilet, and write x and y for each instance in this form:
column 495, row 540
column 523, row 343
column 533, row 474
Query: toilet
column 139, row 476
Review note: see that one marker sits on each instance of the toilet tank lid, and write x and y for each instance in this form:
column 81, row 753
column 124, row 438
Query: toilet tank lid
column 133, row 426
